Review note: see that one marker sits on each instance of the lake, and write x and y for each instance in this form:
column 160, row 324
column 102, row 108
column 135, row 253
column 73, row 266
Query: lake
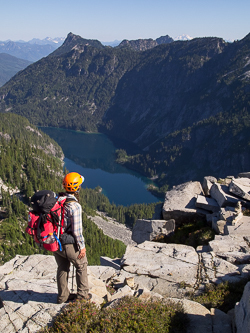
column 93, row 156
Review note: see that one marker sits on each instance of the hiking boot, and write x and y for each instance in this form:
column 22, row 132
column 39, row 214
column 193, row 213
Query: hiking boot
column 71, row 298
column 86, row 298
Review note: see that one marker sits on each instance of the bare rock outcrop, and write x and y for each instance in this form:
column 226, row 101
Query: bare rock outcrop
column 29, row 292
column 221, row 194
column 180, row 202
column 170, row 262
column 149, row 269
column 112, row 228
column 6, row 188
column 28, row 289
column 191, row 201
column 208, row 182
column 149, row 230
column 240, row 187
column 242, row 310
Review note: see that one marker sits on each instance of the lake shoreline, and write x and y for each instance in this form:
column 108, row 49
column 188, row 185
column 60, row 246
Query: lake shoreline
column 93, row 155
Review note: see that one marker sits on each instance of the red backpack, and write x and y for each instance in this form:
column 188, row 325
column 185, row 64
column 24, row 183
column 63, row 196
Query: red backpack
column 45, row 221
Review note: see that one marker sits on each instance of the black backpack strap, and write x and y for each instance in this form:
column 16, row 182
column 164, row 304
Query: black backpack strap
column 40, row 226
column 68, row 200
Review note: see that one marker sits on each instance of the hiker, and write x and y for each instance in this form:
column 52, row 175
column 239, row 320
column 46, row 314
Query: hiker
column 73, row 244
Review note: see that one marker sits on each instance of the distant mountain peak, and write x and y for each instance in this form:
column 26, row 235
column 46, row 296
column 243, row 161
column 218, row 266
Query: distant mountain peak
column 113, row 43
column 183, row 37
column 57, row 41
column 75, row 42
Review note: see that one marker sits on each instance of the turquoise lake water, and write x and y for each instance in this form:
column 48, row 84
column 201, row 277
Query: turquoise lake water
column 93, row 156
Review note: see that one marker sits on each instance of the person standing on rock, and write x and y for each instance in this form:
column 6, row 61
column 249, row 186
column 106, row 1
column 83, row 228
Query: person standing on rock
column 73, row 244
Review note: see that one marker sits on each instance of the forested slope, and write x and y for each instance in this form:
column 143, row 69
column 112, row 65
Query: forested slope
column 31, row 161
column 9, row 66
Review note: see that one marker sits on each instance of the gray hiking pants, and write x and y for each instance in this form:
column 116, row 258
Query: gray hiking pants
column 64, row 258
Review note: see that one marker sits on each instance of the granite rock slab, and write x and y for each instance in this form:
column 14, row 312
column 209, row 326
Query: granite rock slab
column 171, row 262
column 179, row 203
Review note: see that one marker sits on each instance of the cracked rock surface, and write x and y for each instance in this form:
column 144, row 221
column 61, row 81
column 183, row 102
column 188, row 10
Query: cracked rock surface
column 28, row 287
column 28, row 292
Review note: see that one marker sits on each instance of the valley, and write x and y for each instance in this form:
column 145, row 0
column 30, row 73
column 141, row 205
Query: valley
column 182, row 105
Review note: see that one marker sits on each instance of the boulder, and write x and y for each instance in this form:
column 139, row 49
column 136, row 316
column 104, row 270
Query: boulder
column 97, row 287
column 221, row 321
column 122, row 292
column 148, row 230
column 221, row 194
column 230, row 214
column 208, row 182
column 130, row 281
column 244, row 175
column 146, row 295
column 245, row 270
column 207, row 203
column 28, row 296
column 199, row 317
column 179, row 203
column 219, row 226
column 242, row 310
column 240, row 187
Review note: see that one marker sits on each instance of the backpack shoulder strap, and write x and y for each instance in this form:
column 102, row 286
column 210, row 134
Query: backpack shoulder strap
column 69, row 200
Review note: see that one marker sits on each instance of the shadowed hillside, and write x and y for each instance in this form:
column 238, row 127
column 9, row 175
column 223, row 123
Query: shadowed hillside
column 176, row 102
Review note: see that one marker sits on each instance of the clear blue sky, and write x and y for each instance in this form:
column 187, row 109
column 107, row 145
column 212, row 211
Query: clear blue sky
column 108, row 20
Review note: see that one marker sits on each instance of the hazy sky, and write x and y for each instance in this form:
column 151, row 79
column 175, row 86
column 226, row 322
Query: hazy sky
column 108, row 20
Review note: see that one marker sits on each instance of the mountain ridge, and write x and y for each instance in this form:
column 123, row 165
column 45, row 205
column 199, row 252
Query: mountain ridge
column 145, row 44
column 149, row 98
column 9, row 66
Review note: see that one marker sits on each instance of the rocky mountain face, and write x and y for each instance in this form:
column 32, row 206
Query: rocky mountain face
column 183, row 104
column 159, row 97
column 145, row 44
column 75, row 42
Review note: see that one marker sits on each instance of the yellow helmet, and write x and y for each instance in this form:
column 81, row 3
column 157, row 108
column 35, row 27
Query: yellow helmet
column 72, row 182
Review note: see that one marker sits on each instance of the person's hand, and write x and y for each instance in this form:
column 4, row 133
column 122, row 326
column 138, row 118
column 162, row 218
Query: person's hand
column 82, row 253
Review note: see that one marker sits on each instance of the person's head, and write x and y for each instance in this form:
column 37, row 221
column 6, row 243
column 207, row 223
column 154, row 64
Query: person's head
column 72, row 182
